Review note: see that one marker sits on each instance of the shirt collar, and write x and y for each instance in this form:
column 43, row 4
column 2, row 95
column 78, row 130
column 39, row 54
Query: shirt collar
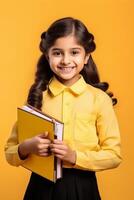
column 56, row 87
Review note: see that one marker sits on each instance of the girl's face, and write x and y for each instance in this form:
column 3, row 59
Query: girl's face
column 67, row 58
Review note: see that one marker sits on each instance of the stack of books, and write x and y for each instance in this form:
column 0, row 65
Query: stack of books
column 32, row 122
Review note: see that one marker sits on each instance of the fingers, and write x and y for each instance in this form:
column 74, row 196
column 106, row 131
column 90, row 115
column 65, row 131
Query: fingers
column 58, row 142
column 59, row 148
column 43, row 138
column 43, row 150
column 43, row 135
column 40, row 145
column 59, row 153
column 43, row 153
column 45, row 147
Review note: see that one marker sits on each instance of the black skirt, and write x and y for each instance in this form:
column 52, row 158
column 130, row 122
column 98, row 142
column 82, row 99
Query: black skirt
column 75, row 185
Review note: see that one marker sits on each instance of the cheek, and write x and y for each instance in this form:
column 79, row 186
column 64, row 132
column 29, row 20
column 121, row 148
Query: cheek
column 54, row 61
column 80, row 61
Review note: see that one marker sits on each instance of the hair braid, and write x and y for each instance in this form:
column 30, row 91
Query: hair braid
column 90, row 72
column 42, row 77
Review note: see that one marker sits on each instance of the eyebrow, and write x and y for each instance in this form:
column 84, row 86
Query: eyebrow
column 75, row 48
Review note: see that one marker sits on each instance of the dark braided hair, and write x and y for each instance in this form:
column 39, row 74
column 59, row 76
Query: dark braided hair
column 61, row 28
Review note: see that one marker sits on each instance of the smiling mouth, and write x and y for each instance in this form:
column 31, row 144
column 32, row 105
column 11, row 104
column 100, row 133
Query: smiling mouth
column 66, row 69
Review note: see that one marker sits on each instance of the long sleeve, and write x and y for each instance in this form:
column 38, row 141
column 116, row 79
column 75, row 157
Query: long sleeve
column 107, row 155
column 11, row 148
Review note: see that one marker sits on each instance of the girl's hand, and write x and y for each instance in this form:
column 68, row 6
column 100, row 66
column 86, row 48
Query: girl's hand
column 63, row 151
column 38, row 145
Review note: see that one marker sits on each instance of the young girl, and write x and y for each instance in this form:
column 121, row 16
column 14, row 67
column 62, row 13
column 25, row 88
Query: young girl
column 67, row 87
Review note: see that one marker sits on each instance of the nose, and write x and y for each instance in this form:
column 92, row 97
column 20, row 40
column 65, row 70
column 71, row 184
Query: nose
column 66, row 59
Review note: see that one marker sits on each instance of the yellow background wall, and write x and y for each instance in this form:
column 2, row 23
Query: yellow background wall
column 112, row 23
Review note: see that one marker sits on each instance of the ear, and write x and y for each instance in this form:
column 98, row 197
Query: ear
column 86, row 58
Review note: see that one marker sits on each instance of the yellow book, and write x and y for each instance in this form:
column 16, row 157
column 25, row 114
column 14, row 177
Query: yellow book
column 32, row 122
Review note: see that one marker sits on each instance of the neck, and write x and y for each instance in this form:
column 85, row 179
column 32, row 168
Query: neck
column 68, row 83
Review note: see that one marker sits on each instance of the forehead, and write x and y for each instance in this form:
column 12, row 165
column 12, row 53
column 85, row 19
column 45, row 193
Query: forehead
column 67, row 42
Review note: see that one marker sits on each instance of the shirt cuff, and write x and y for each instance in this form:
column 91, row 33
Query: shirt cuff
column 80, row 162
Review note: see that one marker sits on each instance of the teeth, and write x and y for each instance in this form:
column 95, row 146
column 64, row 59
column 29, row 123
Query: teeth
column 66, row 69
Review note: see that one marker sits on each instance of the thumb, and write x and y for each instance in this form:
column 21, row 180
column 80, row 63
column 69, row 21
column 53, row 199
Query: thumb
column 43, row 135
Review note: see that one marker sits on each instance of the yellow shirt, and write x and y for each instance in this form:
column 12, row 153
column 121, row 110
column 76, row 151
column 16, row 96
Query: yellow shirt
column 90, row 125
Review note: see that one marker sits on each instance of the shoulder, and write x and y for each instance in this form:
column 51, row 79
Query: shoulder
column 100, row 97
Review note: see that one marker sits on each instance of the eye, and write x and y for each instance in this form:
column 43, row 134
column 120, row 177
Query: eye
column 56, row 53
column 74, row 52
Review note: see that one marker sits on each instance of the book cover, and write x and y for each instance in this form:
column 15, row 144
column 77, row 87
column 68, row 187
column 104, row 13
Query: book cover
column 32, row 122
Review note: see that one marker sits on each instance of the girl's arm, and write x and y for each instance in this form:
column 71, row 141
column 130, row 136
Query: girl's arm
column 107, row 155
column 11, row 148
column 17, row 153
